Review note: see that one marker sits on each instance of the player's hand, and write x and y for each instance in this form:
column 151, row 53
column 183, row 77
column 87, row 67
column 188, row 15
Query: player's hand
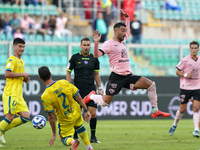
column 26, row 80
column 189, row 75
column 53, row 138
column 124, row 14
column 99, row 92
column 87, row 116
column 96, row 36
column 26, row 75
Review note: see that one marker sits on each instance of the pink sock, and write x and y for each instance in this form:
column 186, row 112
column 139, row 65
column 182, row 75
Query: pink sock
column 152, row 95
column 196, row 121
column 177, row 117
column 98, row 99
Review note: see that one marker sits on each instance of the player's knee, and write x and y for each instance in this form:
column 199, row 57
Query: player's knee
column 24, row 120
column 93, row 114
column 80, row 129
column 152, row 87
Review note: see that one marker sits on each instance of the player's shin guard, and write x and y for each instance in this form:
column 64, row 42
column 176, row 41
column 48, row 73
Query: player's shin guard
column 83, row 134
column 3, row 125
column 16, row 122
column 152, row 94
column 67, row 141
column 99, row 100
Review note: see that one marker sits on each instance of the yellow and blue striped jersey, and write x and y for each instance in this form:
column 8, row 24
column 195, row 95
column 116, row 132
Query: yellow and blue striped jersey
column 14, row 85
column 58, row 97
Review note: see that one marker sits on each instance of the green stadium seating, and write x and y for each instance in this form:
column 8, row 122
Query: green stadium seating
column 62, row 50
column 39, row 38
column 8, row 8
column 64, row 61
column 52, row 10
column 9, row 37
column 16, row 8
column 31, row 38
column 69, row 38
column 31, row 9
column 2, row 37
column 3, row 59
column 38, row 10
column 47, row 38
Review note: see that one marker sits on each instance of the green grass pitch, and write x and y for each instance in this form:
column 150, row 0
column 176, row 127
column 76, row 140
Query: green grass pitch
column 113, row 135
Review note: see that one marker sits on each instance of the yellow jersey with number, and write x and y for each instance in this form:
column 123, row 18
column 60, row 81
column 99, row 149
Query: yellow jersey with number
column 58, row 97
column 14, row 85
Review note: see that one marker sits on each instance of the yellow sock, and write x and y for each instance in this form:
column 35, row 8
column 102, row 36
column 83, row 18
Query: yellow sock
column 3, row 124
column 83, row 134
column 67, row 141
column 14, row 123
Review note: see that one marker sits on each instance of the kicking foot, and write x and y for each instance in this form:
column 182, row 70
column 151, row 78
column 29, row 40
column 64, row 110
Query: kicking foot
column 86, row 99
column 172, row 129
column 75, row 144
column 160, row 114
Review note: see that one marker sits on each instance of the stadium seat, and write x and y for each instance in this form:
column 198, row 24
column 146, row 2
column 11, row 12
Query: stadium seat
column 75, row 49
column 46, row 50
column 30, row 49
column 3, row 59
column 62, row 50
column 56, row 60
column 64, row 60
column 33, row 60
column 52, row 10
column 26, row 59
column 39, row 38
column 31, row 9
column 16, row 8
column 31, row 38
column 38, row 10
column 1, row 8
column 47, row 38
column 76, row 39
column 8, row 8
column 54, row 50
column 9, row 37
column 2, row 37
column 69, row 38
column 49, row 60
column 41, row 60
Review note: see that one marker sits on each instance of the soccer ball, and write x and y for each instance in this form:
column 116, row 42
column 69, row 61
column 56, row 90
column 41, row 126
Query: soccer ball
column 39, row 122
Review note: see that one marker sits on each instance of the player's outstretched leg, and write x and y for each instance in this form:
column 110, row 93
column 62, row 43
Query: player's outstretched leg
column 160, row 114
column 75, row 144
column 172, row 129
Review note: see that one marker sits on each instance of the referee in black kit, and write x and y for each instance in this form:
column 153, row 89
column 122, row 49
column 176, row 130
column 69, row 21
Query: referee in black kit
column 86, row 70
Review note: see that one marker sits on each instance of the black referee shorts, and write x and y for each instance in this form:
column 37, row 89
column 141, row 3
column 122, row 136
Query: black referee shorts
column 85, row 90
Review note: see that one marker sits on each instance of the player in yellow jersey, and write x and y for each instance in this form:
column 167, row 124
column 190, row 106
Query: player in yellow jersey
column 13, row 101
column 59, row 98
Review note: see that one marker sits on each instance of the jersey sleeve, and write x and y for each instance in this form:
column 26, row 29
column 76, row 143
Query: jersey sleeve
column 10, row 64
column 182, row 64
column 71, row 64
column 97, row 65
column 105, row 48
column 48, row 107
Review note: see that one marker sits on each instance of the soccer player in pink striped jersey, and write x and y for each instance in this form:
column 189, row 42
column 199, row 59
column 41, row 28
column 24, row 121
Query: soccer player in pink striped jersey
column 189, row 71
column 121, row 75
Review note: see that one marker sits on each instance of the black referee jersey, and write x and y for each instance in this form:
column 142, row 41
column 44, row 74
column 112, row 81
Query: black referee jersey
column 84, row 68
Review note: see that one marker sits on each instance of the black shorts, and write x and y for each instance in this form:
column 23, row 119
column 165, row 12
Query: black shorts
column 85, row 90
column 116, row 82
column 189, row 95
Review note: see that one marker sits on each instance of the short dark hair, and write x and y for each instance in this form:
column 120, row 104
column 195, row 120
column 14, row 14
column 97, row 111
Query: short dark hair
column 85, row 39
column 119, row 24
column 18, row 40
column 44, row 73
column 193, row 43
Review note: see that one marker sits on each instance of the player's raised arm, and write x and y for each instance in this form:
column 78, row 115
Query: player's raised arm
column 96, row 38
column 127, row 23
